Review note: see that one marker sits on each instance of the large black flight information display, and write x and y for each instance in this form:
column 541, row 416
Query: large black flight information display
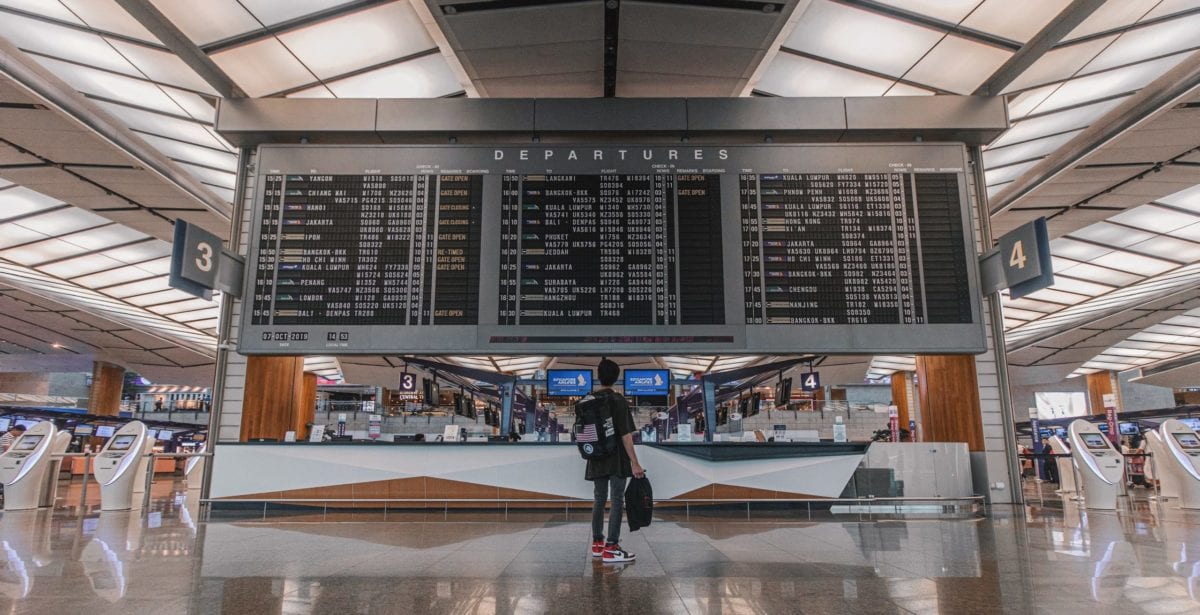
column 770, row 248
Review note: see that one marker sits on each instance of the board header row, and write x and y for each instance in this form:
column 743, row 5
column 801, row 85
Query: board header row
column 970, row 120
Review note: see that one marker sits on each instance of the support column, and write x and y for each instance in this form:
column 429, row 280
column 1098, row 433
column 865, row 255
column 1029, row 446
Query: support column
column 306, row 407
column 901, row 381
column 107, row 382
column 274, row 388
column 949, row 398
column 1100, row 384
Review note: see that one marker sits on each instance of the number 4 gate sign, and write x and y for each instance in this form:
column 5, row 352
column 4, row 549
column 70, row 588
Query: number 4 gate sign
column 810, row 382
column 1020, row 262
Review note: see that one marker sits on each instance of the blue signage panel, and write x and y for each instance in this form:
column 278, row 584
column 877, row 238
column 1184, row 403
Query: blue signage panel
column 647, row 381
column 568, row 382
column 810, row 382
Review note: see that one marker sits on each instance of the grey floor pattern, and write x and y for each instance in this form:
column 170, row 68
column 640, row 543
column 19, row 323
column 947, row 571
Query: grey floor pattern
column 1047, row 557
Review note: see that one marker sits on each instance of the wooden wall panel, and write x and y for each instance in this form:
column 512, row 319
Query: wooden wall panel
column 949, row 396
column 1099, row 384
column 107, row 382
column 274, row 386
column 306, row 405
column 900, row 382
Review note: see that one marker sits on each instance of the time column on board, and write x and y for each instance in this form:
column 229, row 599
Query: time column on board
column 510, row 262
column 268, row 240
column 752, row 275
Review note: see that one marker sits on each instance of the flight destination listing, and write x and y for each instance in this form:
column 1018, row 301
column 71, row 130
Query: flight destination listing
column 639, row 249
column 368, row 249
column 853, row 248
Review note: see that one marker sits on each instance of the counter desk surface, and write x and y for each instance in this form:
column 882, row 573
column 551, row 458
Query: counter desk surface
column 438, row 471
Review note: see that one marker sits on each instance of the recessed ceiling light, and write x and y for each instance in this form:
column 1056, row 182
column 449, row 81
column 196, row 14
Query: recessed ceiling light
column 56, row 345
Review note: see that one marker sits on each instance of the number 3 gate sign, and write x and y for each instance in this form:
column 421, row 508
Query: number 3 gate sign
column 199, row 265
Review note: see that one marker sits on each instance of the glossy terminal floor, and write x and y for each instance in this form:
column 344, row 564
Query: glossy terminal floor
column 1045, row 558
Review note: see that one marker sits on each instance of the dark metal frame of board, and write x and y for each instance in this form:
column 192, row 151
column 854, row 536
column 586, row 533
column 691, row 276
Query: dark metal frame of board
column 737, row 337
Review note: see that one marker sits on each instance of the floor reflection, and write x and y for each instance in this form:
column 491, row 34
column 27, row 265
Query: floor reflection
column 1052, row 556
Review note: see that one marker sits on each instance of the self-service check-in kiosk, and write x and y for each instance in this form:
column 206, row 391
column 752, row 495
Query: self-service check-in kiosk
column 119, row 464
column 1066, row 469
column 1101, row 467
column 1161, row 467
column 24, row 466
column 1184, row 447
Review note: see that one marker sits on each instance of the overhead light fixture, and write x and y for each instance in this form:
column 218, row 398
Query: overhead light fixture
column 56, row 345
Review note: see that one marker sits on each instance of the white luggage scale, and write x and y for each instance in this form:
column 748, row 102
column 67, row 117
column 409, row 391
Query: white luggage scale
column 1066, row 468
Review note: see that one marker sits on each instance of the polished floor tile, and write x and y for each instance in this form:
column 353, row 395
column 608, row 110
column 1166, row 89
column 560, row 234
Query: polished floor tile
column 1049, row 556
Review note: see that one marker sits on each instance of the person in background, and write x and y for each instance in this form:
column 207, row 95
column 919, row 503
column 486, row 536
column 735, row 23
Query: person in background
column 14, row 432
column 609, row 475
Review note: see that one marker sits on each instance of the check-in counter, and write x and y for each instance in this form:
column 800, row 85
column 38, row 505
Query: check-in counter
column 416, row 474
column 77, row 467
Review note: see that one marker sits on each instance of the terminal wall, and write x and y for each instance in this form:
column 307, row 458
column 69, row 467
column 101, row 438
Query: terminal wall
column 1136, row 396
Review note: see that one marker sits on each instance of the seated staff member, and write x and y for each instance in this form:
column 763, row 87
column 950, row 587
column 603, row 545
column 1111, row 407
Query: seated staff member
column 6, row 441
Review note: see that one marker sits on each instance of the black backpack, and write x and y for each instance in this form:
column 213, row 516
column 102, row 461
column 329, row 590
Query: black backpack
column 639, row 503
column 594, row 432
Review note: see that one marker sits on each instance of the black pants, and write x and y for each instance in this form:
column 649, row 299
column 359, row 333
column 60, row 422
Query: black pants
column 608, row 488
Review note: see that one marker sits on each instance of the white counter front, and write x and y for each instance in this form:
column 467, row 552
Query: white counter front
column 371, row 474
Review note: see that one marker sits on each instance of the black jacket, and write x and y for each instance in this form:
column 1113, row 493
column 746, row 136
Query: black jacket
column 639, row 503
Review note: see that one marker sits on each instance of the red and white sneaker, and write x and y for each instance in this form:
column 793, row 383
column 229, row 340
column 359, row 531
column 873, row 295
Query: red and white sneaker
column 597, row 548
column 614, row 554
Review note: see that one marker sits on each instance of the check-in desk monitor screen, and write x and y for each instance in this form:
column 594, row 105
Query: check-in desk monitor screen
column 83, row 430
column 647, row 382
column 4, row 424
column 28, row 443
column 1187, row 440
column 568, row 382
column 121, row 443
column 164, row 434
column 105, row 431
column 1094, row 440
column 617, row 248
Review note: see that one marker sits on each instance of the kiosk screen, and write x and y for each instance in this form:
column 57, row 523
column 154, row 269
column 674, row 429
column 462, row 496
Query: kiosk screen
column 1094, row 440
column 121, row 443
column 27, row 443
column 1187, row 440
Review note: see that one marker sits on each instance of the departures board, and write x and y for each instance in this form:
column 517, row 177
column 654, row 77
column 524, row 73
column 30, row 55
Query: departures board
column 611, row 249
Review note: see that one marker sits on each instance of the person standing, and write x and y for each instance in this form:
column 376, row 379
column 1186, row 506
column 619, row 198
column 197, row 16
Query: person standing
column 610, row 474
